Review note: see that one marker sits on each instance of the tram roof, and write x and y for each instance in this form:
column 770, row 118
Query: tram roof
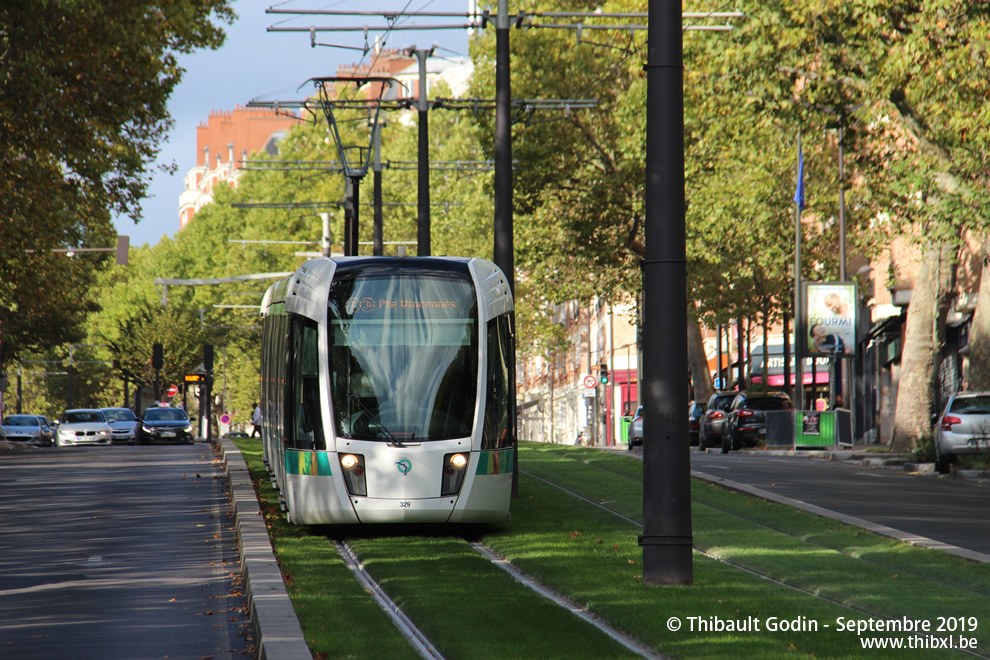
column 386, row 265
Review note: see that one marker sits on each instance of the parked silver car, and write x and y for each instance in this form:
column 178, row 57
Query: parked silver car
column 636, row 429
column 124, row 424
column 712, row 420
column 83, row 426
column 29, row 429
column 962, row 428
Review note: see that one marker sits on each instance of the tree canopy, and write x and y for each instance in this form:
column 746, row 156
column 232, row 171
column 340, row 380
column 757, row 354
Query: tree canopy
column 905, row 83
column 83, row 92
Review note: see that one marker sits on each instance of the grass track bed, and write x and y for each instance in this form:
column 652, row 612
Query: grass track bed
column 592, row 557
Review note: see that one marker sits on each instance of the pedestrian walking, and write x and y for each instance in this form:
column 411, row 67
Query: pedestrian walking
column 256, row 421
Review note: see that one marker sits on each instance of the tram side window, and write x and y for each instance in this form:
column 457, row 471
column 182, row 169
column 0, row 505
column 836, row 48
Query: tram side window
column 308, row 422
column 499, row 430
column 275, row 419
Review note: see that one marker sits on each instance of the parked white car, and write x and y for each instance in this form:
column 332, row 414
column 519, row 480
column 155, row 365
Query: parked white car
column 83, row 426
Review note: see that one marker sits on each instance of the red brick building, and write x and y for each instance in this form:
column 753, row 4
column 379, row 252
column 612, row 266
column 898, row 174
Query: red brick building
column 225, row 139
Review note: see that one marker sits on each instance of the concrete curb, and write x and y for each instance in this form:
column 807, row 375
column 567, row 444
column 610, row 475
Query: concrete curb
column 883, row 530
column 277, row 633
column 890, row 532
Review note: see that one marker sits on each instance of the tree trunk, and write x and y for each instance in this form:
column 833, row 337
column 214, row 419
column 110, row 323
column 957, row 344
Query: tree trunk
column 979, row 334
column 765, row 323
column 698, row 362
column 925, row 323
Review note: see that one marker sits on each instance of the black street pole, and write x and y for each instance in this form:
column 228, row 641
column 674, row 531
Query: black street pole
column 348, row 214
column 69, row 393
column 718, row 356
column 740, row 350
column 423, row 233
column 503, row 254
column 667, row 536
column 799, row 321
column 355, row 214
column 378, row 249
column 208, row 408
column 788, row 386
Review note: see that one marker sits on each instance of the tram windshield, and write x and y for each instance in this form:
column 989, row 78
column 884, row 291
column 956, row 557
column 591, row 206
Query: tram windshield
column 403, row 357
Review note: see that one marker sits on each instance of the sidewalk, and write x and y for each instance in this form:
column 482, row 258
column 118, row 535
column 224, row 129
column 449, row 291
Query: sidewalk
column 277, row 633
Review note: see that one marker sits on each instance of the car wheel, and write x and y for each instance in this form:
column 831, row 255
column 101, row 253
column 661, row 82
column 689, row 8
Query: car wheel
column 942, row 461
column 726, row 441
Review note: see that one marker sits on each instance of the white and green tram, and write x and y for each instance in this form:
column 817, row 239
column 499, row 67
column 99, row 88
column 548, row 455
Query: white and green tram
column 388, row 390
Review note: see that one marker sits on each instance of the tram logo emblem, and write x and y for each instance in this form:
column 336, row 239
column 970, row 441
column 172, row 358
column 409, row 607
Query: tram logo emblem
column 365, row 304
column 404, row 465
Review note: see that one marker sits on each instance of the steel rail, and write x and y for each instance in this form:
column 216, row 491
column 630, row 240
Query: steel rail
column 413, row 635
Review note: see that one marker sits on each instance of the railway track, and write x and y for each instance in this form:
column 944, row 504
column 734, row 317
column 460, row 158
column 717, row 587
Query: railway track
column 428, row 580
column 422, row 644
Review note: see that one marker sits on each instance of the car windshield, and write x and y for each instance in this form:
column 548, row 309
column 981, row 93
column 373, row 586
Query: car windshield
column 84, row 416
column 21, row 420
column 971, row 405
column 119, row 415
column 767, row 404
column 165, row 415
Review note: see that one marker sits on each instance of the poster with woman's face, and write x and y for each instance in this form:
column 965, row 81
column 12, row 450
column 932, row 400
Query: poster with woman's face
column 830, row 319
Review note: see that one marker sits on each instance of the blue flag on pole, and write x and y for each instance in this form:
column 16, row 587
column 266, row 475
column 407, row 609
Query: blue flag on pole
column 799, row 193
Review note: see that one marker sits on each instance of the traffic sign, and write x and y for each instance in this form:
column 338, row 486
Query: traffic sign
column 173, row 390
column 225, row 418
column 590, row 382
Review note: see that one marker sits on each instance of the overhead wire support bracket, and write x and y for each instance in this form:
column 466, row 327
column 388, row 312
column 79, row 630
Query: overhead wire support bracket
column 328, row 105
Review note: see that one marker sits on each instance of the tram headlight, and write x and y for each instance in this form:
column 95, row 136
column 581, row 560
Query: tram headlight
column 353, row 468
column 453, row 474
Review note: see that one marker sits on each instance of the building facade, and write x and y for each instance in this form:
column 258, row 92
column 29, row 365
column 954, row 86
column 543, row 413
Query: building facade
column 561, row 396
column 223, row 142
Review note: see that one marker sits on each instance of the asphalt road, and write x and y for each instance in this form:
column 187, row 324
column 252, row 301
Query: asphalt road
column 952, row 511
column 118, row 552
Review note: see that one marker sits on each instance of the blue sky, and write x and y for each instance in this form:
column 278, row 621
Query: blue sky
column 257, row 64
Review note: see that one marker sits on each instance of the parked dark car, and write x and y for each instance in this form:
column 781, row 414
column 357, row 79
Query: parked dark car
column 746, row 423
column 165, row 425
column 713, row 418
column 695, row 411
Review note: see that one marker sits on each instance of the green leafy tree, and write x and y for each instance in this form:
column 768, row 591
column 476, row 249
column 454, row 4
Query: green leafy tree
column 83, row 92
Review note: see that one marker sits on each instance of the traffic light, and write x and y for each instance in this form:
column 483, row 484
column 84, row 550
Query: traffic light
column 208, row 357
column 157, row 356
column 603, row 373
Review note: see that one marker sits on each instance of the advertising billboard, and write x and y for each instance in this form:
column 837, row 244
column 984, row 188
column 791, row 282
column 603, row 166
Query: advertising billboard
column 830, row 319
